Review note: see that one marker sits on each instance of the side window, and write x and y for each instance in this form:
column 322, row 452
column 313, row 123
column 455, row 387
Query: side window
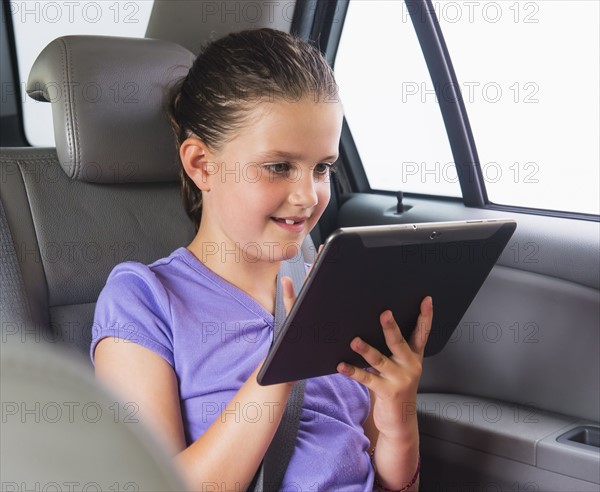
column 528, row 72
column 390, row 103
column 37, row 23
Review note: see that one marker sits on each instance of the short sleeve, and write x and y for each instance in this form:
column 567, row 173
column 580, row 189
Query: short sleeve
column 133, row 307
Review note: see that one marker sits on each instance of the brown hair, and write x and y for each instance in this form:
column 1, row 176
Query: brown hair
column 231, row 76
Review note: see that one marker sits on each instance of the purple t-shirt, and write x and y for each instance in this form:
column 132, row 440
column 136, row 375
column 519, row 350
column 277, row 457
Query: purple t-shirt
column 214, row 336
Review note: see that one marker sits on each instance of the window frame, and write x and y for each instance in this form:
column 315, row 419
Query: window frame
column 12, row 126
column 326, row 32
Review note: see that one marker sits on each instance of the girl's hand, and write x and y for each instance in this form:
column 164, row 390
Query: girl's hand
column 393, row 380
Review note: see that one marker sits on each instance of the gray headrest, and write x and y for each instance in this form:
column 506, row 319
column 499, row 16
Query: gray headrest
column 60, row 426
column 108, row 97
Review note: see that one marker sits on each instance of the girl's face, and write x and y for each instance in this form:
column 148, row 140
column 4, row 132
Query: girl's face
column 268, row 186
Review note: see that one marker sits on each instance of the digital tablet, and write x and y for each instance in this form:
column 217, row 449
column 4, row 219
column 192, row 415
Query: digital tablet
column 362, row 271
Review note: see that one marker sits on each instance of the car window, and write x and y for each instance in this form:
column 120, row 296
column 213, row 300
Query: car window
column 390, row 104
column 528, row 72
column 37, row 23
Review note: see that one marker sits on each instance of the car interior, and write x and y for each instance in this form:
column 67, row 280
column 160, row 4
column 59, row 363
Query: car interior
column 511, row 403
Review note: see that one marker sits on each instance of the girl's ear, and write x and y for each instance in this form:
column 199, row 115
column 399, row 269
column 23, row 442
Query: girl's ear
column 195, row 157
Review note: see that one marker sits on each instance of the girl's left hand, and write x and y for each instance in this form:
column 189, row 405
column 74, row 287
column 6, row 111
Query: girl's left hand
column 393, row 380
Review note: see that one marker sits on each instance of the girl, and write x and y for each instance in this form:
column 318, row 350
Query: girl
column 257, row 122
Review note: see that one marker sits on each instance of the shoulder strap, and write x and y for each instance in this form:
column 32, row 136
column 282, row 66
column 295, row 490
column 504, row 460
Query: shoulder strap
column 272, row 470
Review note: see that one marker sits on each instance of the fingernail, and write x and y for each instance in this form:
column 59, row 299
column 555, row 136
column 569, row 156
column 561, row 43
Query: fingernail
column 387, row 317
column 342, row 367
column 359, row 344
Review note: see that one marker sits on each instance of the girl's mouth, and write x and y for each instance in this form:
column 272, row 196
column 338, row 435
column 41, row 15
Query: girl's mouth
column 292, row 224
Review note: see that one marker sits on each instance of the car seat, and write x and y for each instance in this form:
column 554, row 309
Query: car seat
column 108, row 193
column 62, row 431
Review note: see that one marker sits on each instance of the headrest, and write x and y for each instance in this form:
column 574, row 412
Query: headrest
column 59, row 425
column 109, row 99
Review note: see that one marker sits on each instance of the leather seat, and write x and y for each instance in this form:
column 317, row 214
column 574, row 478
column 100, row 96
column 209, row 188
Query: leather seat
column 62, row 431
column 109, row 192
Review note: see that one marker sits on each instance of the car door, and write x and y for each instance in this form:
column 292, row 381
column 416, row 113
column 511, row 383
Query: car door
column 512, row 402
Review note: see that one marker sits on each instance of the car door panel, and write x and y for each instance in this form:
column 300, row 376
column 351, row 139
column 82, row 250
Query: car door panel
column 448, row 466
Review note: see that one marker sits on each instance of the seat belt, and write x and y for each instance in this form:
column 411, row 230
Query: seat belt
column 272, row 470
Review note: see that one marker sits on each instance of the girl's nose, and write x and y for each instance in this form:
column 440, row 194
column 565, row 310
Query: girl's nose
column 304, row 190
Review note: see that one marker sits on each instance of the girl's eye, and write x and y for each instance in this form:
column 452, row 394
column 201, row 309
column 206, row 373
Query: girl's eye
column 280, row 168
column 324, row 168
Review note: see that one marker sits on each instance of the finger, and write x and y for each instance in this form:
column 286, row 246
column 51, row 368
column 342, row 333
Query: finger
column 289, row 296
column 393, row 335
column 367, row 378
column 372, row 356
column 420, row 335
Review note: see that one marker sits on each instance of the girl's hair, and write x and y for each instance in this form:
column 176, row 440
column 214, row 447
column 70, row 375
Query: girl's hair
column 230, row 77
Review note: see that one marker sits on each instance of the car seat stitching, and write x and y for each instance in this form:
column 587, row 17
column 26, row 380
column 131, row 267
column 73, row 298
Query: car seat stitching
column 66, row 96
column 77, row 146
